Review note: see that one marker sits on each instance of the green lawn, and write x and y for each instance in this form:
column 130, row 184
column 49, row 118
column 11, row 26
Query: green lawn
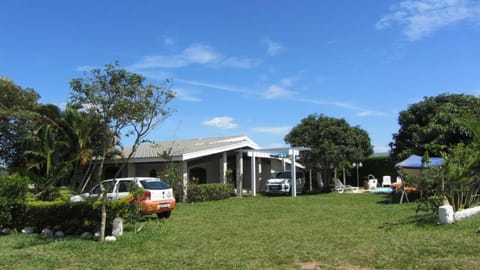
column 329, row 231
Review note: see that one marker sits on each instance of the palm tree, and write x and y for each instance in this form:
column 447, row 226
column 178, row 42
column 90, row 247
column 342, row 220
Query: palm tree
column 44, row 161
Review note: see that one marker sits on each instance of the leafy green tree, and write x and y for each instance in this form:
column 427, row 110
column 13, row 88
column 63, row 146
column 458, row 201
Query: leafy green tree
column 457, row 180
column 13, row 199
column 44, row 159
column 51, row 151
column 125, row 106
column 17, row 115
column 334, row 143
column 83, row 132
column 434, row 125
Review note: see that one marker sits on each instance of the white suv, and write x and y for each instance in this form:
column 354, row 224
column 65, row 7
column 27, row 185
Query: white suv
column 280, row 183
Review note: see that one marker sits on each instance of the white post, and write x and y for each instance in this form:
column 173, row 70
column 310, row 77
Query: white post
column 184, row 181
column 239, row 184
column 254, row 175
column 310, row 178
column 294, row 174
column 223, row 167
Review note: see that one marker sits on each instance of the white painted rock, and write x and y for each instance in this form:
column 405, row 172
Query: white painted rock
column 46, row 233
column 459, row 215
column 446, row 215
column 110, row 238
column 117, row 227
column 27, row 230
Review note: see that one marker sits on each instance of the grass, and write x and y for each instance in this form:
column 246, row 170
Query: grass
column 327, row 231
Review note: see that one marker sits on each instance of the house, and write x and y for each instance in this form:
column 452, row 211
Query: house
column 205, row 160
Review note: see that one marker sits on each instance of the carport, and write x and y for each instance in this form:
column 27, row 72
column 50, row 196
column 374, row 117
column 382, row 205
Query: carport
column 291, row 152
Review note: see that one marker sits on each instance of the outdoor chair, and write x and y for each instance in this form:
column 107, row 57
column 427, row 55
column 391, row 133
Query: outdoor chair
column 386, row 181
column 340, row 187
column 372, row 181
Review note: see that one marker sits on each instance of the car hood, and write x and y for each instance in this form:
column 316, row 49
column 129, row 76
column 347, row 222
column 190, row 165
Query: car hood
column 277, row 180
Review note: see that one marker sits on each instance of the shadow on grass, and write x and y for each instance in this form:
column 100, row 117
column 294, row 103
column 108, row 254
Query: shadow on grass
column 35, row 240
column 417, row 219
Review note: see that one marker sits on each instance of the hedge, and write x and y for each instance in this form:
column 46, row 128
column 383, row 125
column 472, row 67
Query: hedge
column 209, row 192
column 74, row 218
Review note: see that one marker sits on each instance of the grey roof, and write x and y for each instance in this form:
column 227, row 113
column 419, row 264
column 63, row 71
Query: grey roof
column 188, row 149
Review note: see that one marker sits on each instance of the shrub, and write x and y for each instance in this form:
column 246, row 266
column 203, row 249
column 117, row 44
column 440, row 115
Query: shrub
column 209, row 192
column 74, row 218
column 13, row 194
column 456, row 182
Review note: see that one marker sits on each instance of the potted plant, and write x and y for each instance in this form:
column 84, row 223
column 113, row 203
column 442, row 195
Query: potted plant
column 365, row 184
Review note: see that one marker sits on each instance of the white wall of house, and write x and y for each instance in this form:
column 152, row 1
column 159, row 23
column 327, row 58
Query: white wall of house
column 214, row 168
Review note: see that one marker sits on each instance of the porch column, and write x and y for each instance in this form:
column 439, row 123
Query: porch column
column 294, row 173
column 223, row 168
column 184, row 181
column 254, row 175
column 239, row 169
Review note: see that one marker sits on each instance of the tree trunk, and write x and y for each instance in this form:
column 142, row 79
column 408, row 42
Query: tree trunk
column 103, row 223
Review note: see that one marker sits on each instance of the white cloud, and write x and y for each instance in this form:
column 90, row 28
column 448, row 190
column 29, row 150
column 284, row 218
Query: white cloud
column 222, row 87
column 85, row 68
column 200, row 54
column 476, row 92
column 195, row 54
column 360, row 112
column 242, row 63
column 223, row 122
column 280, row 90
column 288, row 81
column 273, row 48
column 168, row 41
column 420, row 18
column 186, row 95
column 276, row 91
column 281, row 130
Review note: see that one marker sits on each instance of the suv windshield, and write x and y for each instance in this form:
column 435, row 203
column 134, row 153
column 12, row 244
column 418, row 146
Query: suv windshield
column 154, row 184
column 287, row 175
column 283, row 175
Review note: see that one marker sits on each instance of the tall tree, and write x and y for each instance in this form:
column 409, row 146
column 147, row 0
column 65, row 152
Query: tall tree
column 83, row 131
column 125, row 105
column 434, row 125
column 48, row 155
column 45, row 160
column 333, row 141
column 17, row 115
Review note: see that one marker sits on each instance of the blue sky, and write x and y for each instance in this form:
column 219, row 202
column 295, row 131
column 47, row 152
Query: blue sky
column 253, row 68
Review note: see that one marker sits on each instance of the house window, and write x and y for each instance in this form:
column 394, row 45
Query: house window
column 153, row 173
column 198, row 175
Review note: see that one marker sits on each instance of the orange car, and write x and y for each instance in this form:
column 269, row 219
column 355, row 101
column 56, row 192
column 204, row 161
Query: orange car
column 157, row 199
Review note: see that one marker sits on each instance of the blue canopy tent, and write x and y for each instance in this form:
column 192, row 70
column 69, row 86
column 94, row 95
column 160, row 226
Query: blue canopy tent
column 414, row 165
column 415, row 161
